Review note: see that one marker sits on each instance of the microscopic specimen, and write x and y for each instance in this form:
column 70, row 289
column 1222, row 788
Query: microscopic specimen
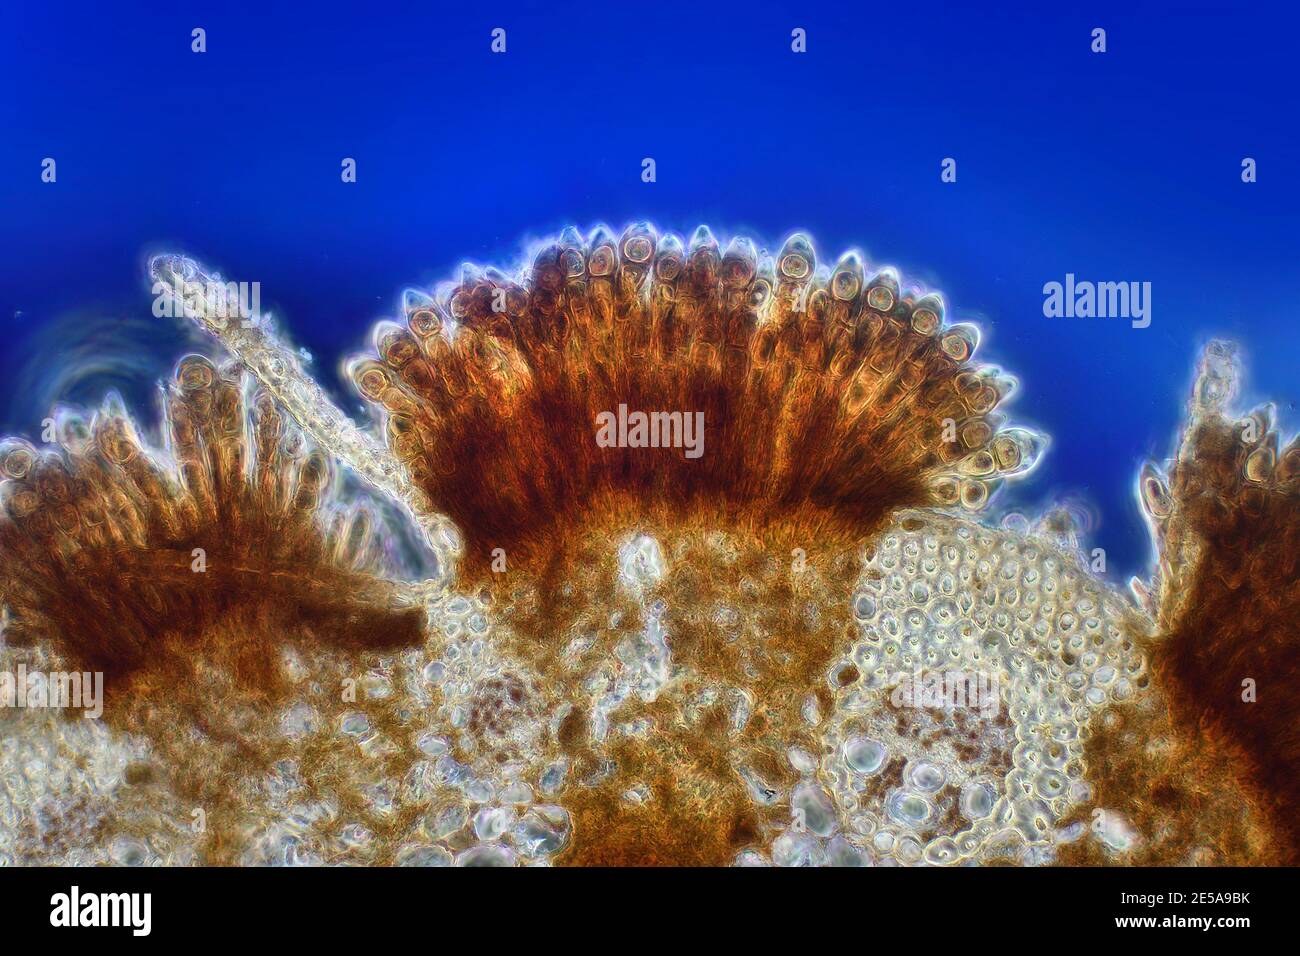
column 654, row 552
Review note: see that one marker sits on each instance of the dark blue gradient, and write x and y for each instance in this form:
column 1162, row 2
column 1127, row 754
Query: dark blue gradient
column 1122, row 166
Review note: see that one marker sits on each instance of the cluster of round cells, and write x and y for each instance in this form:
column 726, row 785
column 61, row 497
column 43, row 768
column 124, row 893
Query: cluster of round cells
column 963, row 705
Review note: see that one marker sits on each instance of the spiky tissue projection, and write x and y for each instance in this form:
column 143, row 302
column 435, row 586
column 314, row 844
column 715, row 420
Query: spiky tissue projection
column 645, row 656
column 105, row 543
column 1225, row 521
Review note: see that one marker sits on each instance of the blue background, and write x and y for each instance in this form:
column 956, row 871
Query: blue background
column 1123, row 166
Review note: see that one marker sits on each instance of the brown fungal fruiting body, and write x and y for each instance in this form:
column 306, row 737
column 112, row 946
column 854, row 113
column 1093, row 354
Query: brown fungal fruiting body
column 831, row 392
